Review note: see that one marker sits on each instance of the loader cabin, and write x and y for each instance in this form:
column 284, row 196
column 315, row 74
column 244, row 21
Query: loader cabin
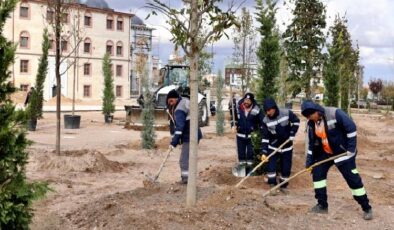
column 175, row 75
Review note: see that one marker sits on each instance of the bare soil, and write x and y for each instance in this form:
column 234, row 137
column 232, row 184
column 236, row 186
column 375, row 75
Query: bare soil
column 98, row 182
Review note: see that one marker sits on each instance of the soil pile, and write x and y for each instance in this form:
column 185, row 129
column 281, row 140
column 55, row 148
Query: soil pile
column 64, row 100
column 18, row 97
column 76, row 161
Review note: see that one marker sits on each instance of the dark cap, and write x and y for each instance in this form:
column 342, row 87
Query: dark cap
column 172, row 94
column 249, row 96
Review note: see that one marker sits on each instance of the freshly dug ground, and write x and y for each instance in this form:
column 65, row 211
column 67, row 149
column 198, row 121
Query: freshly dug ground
column 97, row 183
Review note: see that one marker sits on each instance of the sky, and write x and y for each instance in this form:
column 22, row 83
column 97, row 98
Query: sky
column 370, row 23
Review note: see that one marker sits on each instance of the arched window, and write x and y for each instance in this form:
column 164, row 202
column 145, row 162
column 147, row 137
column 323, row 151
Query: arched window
column 50, row 15
column 110, row 48
column 119, row 48
column 87, row 46
column 119, row 23
column 110, row 22
column 24, row 10
column 88, row 19
column 24, row 40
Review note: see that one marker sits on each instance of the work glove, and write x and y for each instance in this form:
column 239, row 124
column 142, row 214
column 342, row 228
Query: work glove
column 263, row 158
column 233, row 124
column 171, row 147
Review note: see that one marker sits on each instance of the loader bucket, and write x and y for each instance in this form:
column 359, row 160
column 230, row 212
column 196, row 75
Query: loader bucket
column 133, row 118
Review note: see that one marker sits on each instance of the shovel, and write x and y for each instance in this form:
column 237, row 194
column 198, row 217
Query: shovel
column 303, row 171
column 262, row 162
column 152, row 180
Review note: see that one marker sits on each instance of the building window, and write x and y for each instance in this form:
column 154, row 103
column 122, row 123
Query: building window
column 110, row 47
column 119, row 24
column 52, row 44
column 119, row 91
column 24, row 11
column 50, row 15
column 87, row 91
column 88, row 20
column 119, row 49
column 119, row 70
column 24, row 66
column 24, row 40
column 110, row 23
column 87, row 46
column 64, row 45
column 65, row 18
column 24, row 87
column 87, row 69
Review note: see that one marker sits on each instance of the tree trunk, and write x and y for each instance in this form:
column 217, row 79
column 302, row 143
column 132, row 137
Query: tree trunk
column 76, row 54
column 243, row 66
column 191, row 196
column 57, row 72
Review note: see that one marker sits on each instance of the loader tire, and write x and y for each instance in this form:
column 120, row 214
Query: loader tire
column 203, row 113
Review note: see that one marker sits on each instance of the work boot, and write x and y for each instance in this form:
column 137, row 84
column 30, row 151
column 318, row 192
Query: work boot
column 183, row 180
column 319, row 209
column 367, row 215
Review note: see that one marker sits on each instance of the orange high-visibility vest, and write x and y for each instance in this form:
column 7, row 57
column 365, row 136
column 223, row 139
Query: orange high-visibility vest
column 320, row 131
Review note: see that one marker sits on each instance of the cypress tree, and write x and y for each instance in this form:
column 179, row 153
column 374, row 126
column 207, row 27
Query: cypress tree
column 219, row 109
column 269, row 50
column 37, row 98
column 331, row 77
column 16, row 193
column 148, row 119
column 340, row 67
column 108, row 91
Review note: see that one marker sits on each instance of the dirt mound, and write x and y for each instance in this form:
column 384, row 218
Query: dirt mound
column 164, row 208
column 364, row 133
column 162, row 143
column 218, row 175
column 365, row 144
column 77, row 161
column 64, row 100
column 18, row 97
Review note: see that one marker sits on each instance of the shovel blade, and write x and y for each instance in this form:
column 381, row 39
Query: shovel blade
column 239, row 170
column 242, row 170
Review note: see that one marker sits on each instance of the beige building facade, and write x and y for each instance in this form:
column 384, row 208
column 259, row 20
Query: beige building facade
column 96, row 30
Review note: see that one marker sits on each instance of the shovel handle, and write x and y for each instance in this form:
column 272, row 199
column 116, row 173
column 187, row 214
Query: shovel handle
column 262, row 162
column 162, row 165
column 303, row 171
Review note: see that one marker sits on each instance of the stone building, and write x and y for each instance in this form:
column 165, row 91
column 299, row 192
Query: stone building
column 99, row 29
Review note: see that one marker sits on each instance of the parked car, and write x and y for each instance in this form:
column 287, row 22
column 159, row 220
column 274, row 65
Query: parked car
column 361, row 104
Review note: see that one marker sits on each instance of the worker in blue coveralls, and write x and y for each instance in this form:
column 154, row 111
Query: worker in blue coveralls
column 278, row 126
column 247, row 120
column 332, row 132
column 179, row 110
